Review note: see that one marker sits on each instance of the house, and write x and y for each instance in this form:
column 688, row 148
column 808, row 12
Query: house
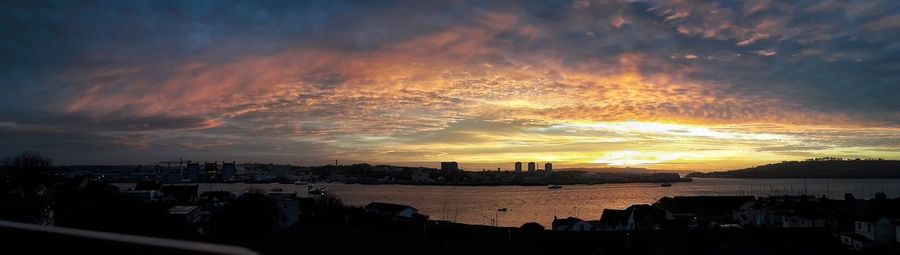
column 878, row 229
column 802, row 221
column 215, row 199
column 869, row 232
column 145, row 195
column 704, row 210
column 181, row 194
column 854, row 241
column 228, row 171
column 392, row 210
column 806, row 216
column 753, row 213
column 645, row 217
column 185, row 214
column 613, row 220
column 897, row 232
column 147, row 185
column 571, row 224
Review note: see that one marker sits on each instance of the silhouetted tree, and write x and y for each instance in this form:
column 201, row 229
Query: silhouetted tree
column 246, row 220
column 532, row 227
column 30, row 160
column 26, row 188
column 100, row 206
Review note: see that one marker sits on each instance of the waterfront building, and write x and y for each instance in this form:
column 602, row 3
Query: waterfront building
column 210, row 170
column 665, row 177
column 449, row 166
column 518, row 167
column 532, row 167
column 420, row 177
column 228, row 171
column 548, row 168
column 192, row 171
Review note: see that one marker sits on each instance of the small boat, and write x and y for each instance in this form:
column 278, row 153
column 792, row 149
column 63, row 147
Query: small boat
column 502, row 209
column 276, row 189
column 666, row 185
column 299, row 183
column 554, row 186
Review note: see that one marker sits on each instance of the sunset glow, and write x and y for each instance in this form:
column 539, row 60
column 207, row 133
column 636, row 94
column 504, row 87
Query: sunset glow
column 657, row 84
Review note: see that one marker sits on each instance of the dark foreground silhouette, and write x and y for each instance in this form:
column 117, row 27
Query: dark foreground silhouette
column 279, row 223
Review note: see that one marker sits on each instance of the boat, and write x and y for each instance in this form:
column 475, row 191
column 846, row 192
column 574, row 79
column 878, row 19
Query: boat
column 299, row 183
column 666, row 185
column 276, row 189
column 502, row 209
column 312, row 190
column 554, row 186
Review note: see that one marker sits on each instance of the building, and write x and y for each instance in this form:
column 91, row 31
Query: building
column 144, row 195
column 191, row 172
column 180, row 194
column 449, row 166
column 185, row 214
column 571, row 224
column 613, row 220
column 518, row 167
column 214, row 200
column 665, row 177
column 211, row 170
column 548, row 168
column 645, row 217
column 420, row 177
column 532, row 167
column 877, row 229
column 228, row 170
column 707, row 210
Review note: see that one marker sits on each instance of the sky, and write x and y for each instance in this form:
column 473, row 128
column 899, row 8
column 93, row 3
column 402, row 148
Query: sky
column 681, row 84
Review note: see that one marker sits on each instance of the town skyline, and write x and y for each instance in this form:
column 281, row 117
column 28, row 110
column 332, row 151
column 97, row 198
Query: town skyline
column 680, row 85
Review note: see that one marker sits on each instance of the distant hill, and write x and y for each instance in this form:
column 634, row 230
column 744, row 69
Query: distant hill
column 816, row 168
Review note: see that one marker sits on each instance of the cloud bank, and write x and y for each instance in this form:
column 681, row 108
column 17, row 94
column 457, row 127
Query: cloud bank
column 666, row 84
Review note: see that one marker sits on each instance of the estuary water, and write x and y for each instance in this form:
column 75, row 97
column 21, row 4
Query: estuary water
column 480, row 204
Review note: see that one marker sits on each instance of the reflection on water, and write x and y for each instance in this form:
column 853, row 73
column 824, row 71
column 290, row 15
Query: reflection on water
column 478, row 205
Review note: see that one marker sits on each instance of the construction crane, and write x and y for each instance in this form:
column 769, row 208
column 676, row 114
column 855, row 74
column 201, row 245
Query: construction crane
column 180, row 164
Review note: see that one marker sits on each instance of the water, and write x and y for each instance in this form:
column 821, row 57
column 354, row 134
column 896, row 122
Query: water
column 478, row 205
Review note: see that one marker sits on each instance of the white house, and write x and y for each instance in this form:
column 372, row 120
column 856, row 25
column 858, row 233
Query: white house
column 881, row 230
column 870, row 231
column 571, row 224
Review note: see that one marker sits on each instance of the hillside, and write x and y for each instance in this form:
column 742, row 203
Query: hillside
column 816, row 168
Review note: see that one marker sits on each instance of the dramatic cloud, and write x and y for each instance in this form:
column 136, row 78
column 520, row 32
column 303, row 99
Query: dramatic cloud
column 665, row 84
